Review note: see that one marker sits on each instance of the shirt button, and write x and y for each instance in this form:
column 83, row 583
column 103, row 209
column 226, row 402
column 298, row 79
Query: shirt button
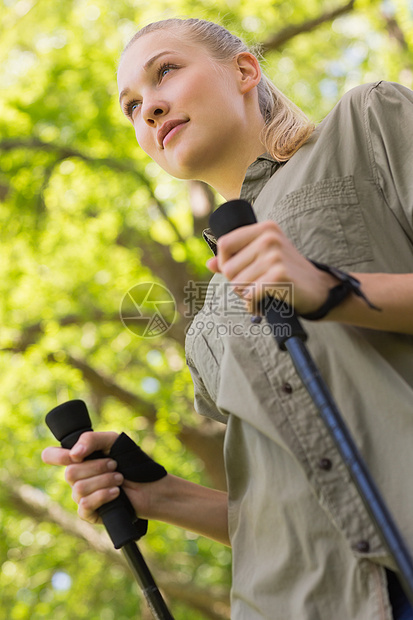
column 325, row 464
column 256, row 318
column 287, row 388
column 363, row 546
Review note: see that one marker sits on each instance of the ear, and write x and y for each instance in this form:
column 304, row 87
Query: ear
column 249, row 71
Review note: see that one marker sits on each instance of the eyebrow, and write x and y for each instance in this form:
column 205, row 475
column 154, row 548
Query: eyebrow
column 146, row 66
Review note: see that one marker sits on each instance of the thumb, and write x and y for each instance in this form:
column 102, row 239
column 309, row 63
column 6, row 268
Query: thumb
column 89, row 442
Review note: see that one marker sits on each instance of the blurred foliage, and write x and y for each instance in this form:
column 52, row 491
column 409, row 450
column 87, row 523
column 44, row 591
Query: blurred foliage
column 84, row 217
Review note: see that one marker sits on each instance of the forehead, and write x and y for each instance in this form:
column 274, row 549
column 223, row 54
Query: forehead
column 144, row 49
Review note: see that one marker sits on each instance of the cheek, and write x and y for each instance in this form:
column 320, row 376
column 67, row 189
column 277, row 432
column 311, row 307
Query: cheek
column 138, row 137
column 146, row 142
column 142, row 137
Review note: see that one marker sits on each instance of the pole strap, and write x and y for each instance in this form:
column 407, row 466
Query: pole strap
column 348, row 284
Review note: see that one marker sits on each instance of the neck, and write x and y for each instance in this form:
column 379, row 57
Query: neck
column 228, row 176
column 230, row 185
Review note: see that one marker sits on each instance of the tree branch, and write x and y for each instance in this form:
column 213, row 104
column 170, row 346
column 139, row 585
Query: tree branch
column 34, row 503
column 202, row 201
column 64, row 152
column 282, row 37
column 158, row 259
column 395, row 31
column 106, row 387
column 205, row 441
column 30, row 333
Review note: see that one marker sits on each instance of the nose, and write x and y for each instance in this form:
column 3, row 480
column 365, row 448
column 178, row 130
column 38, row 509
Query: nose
column 153, row 111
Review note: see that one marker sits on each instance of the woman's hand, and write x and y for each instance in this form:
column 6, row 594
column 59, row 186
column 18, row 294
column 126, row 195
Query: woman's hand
column 169, row 499
column 259, row 257
column 97, row 482
column 93, row 482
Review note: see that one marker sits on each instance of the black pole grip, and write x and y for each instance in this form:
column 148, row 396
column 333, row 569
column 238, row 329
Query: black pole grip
column 279, row 314
column 67, row 422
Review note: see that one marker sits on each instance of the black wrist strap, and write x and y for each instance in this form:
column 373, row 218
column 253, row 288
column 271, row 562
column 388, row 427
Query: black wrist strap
column 348, row 284
column 134, row 464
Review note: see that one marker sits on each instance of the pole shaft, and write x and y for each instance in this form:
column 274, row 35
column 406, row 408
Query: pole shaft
column 316, row 387
column 146, row 582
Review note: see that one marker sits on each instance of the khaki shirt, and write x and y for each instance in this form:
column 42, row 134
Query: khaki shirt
column 304, row 547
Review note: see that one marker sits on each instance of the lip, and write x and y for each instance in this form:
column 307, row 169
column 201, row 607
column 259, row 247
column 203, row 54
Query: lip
column 166, row 128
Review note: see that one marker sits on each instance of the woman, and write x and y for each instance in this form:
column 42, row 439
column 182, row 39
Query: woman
column 303, row 545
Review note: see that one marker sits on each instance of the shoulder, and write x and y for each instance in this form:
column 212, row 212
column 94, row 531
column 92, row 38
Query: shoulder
column 366, row 108
column 376, row 94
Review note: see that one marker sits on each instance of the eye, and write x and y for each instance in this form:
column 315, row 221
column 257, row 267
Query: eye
column 130, row 107
column 164, row 69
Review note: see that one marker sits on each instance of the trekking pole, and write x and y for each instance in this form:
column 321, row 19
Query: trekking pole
column 230, row 216
column 67, row 422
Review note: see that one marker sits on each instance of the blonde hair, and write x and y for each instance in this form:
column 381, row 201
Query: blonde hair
column 286, row 127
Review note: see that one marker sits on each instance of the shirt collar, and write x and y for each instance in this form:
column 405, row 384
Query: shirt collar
column 258, row 173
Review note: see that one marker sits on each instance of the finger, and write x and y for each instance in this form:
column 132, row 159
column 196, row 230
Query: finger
column 254, row 267
column 234, row 267
column 89, row 504
column 234, row 241
column 56, row 456
column 88, row 469
column 83, row 488
column 266, row 271
column 259, row 253
column 212, row 264
column 91, row 442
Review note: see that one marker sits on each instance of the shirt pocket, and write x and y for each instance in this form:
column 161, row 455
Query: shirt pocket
column 325, row 222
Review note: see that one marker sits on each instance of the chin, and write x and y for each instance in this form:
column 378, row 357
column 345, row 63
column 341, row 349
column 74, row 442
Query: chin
column 184, row 170
column 189, row 161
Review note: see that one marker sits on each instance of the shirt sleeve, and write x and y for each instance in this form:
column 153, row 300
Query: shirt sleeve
column 389, row 126
column 203, row 403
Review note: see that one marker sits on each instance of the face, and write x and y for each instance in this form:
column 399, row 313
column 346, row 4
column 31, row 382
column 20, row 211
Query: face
column 187, row 111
